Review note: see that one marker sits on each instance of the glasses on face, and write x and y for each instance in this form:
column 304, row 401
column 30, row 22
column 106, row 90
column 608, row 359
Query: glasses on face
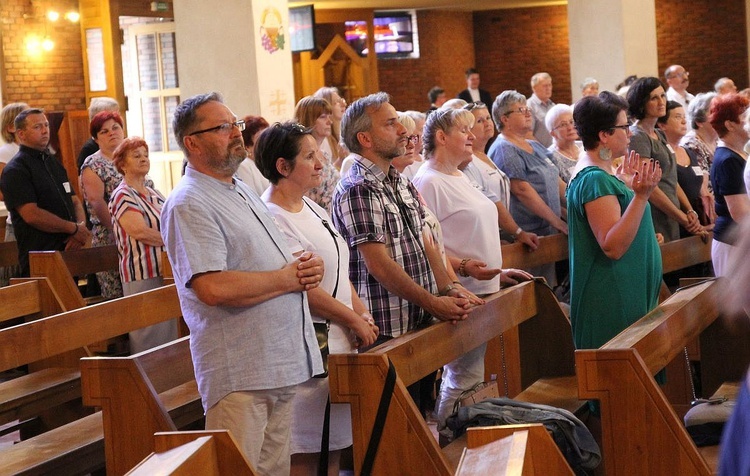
column 475, row 105
column 624, row 127
column 522, row 110
column 225, row 128
column 414, row 138
column 564, row 125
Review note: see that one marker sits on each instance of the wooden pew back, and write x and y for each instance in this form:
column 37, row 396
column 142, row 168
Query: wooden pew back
column 195, row 452
column 136, row 394
column 641, row 432
column 32, row 299
column 62, row 266
column 358, row 379
column 8, row 254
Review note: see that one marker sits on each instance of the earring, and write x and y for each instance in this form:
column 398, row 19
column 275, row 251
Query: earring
column 605, row 153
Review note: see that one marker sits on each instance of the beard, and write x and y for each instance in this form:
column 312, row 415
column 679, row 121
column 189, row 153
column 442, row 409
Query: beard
column 388, row 151
column 227, row 163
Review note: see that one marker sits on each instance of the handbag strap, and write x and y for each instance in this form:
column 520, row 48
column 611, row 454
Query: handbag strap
column 377, row 427
column 324, row 440
column 335, row 242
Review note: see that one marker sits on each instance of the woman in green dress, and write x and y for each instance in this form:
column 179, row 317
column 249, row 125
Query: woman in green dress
column 615, row 262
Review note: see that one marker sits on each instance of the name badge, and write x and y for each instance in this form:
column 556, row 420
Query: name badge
column 66, row 186
column 698, row 171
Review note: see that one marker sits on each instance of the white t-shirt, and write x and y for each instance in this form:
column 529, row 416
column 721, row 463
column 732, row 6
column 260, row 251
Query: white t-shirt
column 410, row 171
column 746, row 176
column 305, row 231
column 248, row 172
column 468, row 219
column 492, row 181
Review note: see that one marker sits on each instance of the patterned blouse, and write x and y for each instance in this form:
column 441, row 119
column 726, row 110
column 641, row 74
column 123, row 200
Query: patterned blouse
column 323, row 194
column 137, row 259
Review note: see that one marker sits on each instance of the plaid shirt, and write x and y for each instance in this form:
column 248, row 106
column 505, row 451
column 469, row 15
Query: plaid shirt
column 370, row 206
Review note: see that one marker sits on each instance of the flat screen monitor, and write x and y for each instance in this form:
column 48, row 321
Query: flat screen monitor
column 394, row 35
column 302, row 28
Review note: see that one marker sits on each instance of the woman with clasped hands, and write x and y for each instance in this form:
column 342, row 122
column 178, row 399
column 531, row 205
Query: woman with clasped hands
column 288, row 156
column 615, row 261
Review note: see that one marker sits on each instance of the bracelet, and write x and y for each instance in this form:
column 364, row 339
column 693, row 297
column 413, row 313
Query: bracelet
column 367, row 317
column 447, row 289
column 457, row 283
column 518, row 232
column 691, row 211
column 462, row 267
column 74, row 231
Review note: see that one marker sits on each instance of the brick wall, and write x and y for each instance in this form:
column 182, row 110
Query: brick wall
column 707, row 37
column 446, row 42
column 512, row 45
column 52, row 80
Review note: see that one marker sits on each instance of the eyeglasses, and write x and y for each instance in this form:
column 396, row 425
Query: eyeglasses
column 624, row 127
column 564, row 125
column 225, row 128
column 414, row 138
column 523, row 110
column 475, row 105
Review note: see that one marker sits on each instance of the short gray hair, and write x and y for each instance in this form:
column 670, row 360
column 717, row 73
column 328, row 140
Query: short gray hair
column 697, row 110
column 357, row 119
column 503, row 103
column 416, row 116
column 185, row 115
column 554, row 114
column 443, row 120
column 407, row 122
column 455, row 103
column 588, row 82
column 539, row 77
column 102, row 104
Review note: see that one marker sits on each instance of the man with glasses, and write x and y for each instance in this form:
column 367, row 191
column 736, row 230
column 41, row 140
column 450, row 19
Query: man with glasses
column 678, row 80
column 240, row 289
column 46, row 213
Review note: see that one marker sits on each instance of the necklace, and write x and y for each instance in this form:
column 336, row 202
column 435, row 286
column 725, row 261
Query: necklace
column 571, row 153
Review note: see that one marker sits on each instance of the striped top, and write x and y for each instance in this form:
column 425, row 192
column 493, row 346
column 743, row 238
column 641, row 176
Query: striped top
column 137, row 259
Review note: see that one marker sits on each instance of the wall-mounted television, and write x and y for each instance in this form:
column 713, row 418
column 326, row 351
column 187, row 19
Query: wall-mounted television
column 302, row 28
column 395, row 35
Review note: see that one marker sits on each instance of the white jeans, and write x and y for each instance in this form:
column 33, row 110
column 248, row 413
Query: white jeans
column 720, row 254
column 459, row 376
column 260, row 421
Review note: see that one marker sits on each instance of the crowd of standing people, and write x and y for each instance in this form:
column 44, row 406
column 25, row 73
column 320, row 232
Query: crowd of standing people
column 362, row 223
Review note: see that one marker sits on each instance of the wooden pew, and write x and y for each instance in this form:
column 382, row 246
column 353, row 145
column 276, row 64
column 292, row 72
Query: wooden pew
column 26, row 396
column 61, row 268
column 546, row 371
column 526, row 450
column 8, row 254
column 641, row 432
column 77, row 444
column 195, row 452
column 134, row 394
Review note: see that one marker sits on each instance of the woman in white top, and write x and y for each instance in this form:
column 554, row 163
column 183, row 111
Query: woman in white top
column 9, row 149
column 288, row 156
column 338, row 105
column 466, row 217
column 492, row 181
column 248, row 172
column 565, row 152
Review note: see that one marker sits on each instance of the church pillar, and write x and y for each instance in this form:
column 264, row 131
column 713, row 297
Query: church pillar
column 610, row 40
column 240, row 49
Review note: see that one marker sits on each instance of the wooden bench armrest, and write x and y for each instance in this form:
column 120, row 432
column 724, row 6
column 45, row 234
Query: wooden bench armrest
column 30, row 394
column 78, row 447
